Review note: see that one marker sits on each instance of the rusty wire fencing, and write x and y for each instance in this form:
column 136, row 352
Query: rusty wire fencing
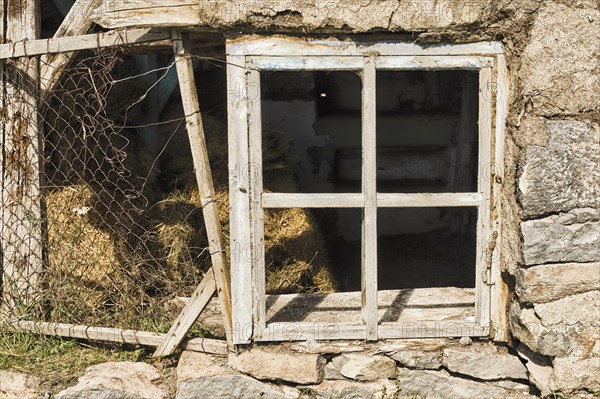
column 101, row 225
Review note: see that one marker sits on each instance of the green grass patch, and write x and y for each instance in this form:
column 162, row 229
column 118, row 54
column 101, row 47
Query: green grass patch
column 58, row 362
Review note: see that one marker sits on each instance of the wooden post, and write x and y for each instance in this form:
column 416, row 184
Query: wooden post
column 191, row 107
column 21, row 236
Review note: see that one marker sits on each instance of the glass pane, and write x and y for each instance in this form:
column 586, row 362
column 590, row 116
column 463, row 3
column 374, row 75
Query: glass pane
column 311, row 131
column 427, row 131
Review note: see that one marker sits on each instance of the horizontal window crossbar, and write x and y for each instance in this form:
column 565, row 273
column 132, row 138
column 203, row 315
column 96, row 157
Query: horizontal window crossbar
column 350, row 200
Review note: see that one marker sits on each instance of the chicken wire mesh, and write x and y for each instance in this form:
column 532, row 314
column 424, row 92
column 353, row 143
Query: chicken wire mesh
column 97, row 237
column 113, row 234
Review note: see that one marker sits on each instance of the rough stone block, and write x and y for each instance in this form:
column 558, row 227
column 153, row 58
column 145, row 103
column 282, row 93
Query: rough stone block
column 365, row 368
column 539, row 368
column 427, row 384
column 232, row 386
column 548, row 241
column 299, row 368
column 484, row 363
column 580, row 309
column 18, row 386
column 419, row 359
column 348, row 389
column 546, row 283
column 118, row 380
column 573, row 374
column 559, row 340
column 562, row 175
column 201, row 376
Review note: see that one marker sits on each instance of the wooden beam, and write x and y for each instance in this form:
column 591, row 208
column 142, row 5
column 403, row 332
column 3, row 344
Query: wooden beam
column 500, row 292
column 21, row 200
column 369, row 191
column 290, row 46
column 32, row 48
column 317, row 200
column 188, row 315
column 239, row 197
column 210, row 211
column 424, row 200
column 116, row 335
column 77, row 22
column 257, row 233
column 305, row 331
column 485, row 240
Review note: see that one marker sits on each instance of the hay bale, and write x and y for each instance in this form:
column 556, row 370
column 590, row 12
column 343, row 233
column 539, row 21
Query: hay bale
column 295, row 257
column 75, row 246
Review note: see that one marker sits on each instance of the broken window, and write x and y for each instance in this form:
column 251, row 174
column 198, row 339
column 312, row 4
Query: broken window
column 387, row 148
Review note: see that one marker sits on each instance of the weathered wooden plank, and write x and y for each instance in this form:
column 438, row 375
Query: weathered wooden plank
column 84, row 42
column 406, row 305
column 164, row 13
column 188, row 315
column 116, row 335
column 210, row 212
column 420, row 200
column 311, row 63
column 21, row 236
column 369, row 191
column 344, row 62
column 402, row 330
column 292, row 46
column 433, row 62
column 500, row 293
column 484, row 238
column 76, row 22
column 320, row 200
column 256, row 190
column 239, row 196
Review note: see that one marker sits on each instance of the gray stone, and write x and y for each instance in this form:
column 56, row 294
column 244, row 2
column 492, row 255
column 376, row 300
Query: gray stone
column 545, row 241
column 558, row 70
column 299, row 368
column 118, row 380
column 201, row 376
column 419, row 359
column 580, row 309
column 365, row 368
column 546, row 283
column 573, row 374
column 564, row 175
column 427, row 384
column 232, row 386
column 551, row 340
column 382, row 389
column 539, row 368
column 484, row 363
column 332, row 373
column 583, row 215
column 19, row 386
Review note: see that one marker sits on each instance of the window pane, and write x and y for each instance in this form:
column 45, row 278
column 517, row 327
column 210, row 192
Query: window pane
column 427, row 131
column 312, row 252
column 426, row 247
column 311, row 122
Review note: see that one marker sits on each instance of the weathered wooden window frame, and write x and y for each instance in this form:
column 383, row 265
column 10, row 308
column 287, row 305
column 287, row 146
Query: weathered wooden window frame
column 246, row 58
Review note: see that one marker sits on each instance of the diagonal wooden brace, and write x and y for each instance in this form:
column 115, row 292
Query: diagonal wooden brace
column 218, row 275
